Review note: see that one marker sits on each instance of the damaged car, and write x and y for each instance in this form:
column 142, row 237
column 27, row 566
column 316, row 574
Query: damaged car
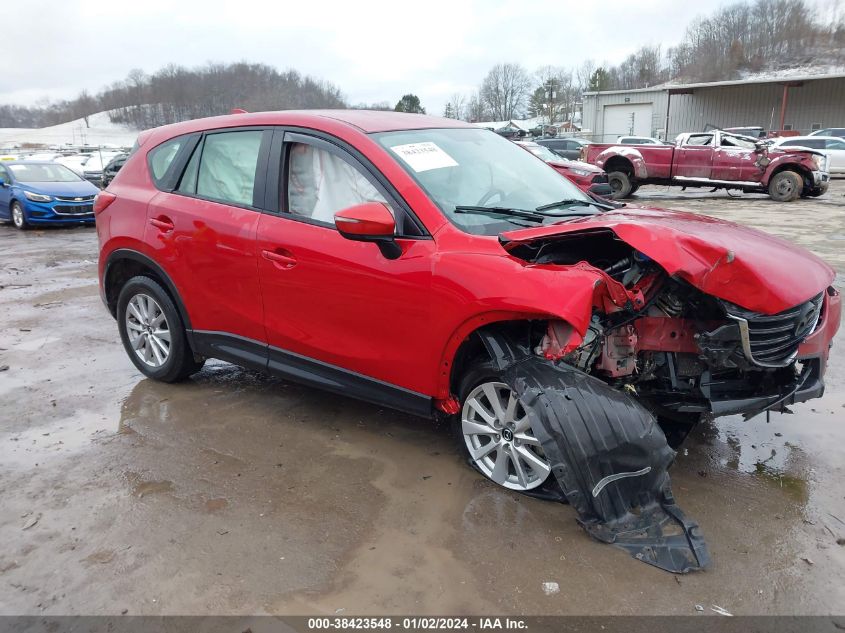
column 435, row 268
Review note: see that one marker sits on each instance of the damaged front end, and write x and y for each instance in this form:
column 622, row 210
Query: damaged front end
column 682, row 352
column 659, row 353
column 608, row 455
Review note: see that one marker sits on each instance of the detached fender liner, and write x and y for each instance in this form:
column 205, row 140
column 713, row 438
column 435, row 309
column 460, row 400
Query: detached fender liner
column 609, row 456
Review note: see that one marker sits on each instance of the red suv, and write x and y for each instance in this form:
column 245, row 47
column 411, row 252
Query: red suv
column 436, row 268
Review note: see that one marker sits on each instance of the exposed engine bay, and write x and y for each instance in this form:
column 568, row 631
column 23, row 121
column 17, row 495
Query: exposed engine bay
column 679, row 351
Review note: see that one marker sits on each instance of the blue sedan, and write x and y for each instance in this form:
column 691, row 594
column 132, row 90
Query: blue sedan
column 33, row 192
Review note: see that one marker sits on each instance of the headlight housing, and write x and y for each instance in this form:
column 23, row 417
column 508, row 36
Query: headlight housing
column 820, row 161
column 580, row 172
column 37, row 197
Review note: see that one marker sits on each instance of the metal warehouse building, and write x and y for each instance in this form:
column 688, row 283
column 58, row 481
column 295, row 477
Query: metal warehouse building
column 803, row 104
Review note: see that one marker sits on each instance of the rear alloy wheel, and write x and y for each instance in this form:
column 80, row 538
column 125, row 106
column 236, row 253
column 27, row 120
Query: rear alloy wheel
column 499, row 439
column 786, row 186
column 153, row 333
column 620, row 183
column 19, row 216
column 148, row 330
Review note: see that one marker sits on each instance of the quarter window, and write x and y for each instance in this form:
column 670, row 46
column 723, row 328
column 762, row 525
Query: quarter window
column 227, row 166
column 161, row 158
column 321, row 183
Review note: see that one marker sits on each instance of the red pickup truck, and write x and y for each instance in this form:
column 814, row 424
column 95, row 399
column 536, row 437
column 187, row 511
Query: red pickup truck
column 713, row 159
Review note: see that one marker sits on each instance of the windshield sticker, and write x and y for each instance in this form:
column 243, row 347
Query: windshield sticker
column 424, row 156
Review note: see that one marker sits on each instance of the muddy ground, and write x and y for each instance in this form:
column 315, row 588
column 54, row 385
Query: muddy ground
column 235, row 493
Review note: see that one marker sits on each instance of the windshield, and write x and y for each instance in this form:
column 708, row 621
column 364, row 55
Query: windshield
column 43, row 172
column 543, row 152
column 460, row 168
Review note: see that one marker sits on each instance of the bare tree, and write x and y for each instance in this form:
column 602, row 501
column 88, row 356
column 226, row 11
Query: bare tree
column 504, row 90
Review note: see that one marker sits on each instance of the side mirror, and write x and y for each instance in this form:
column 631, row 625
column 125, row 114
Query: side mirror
column 369, row 222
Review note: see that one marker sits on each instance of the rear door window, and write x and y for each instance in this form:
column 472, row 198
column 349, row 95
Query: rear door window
column 227, row 167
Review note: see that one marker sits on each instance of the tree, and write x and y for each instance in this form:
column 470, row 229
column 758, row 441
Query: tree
column 454, row 108
column 599, row 80
column 505, row 90
column 409, row 103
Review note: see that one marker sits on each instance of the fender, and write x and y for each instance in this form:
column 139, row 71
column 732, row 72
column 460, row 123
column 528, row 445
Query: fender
column 633, row 155
column 537, row 291
column 798, row 162
column 126, row 253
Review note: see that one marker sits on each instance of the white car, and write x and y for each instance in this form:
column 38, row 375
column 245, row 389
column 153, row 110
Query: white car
column 832, row 146
column 48, row 156
column 830, row 131
column 74, row 162
column 639, row 140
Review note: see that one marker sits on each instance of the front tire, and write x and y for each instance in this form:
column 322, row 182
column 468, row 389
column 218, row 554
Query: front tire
column 786, row 186
column 493, row 431
column 19, row 216
column 620, row 183
column 152, row 332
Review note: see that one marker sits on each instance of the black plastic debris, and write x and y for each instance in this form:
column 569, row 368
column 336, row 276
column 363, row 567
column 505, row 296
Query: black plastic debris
column 609, row 456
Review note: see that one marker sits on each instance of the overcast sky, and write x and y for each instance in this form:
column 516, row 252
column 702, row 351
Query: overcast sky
column 374, row 51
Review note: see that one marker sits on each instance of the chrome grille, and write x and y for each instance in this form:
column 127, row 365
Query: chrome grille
column 75, row 198
column 773, row 340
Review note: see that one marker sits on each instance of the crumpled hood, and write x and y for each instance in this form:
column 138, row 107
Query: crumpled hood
column 736, row 263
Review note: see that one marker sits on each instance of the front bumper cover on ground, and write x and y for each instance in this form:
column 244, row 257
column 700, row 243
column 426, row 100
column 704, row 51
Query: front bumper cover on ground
column 609, row 456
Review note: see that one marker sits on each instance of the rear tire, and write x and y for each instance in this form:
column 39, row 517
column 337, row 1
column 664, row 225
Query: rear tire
column 19, row 216
column 620, row 183
column 152, row 332
column 786, row 186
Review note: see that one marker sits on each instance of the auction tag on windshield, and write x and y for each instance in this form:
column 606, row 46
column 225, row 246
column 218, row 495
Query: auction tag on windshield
column 424, row 156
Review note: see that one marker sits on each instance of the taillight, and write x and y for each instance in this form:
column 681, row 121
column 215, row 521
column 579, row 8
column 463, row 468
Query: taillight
column 103, row 200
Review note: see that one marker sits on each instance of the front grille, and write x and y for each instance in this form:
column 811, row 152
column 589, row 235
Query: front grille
column 773, row 340
column 599, row 178
column 74, row 209
column 76, row 198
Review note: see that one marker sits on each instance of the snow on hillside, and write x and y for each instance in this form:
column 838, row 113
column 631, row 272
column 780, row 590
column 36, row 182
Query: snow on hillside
column 99, row 132
column 807, row 70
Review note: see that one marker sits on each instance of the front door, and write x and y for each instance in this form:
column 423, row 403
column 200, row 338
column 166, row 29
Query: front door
column 5, row 193
column 694, row 159
column 338, row 302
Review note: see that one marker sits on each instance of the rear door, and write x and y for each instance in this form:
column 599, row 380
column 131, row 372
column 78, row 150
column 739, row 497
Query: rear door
column 735, row 159
column 694, row 159
column 337, row 311
column 202, row 229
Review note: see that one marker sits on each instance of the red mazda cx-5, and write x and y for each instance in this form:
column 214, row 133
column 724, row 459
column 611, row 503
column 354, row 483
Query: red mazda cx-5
column 436, row 268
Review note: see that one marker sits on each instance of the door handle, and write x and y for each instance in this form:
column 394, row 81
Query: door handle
column 162, row 223
column 280, row 260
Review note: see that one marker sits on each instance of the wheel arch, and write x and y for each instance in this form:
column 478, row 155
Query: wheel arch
column 465, row 344
column 123, row 264
column 798, row 168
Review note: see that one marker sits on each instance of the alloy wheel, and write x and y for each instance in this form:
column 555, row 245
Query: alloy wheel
column 499, row 438
column 17, row 215
column 148, row 330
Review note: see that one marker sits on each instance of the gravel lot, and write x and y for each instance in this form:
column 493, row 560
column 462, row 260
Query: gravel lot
column 235, row 493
